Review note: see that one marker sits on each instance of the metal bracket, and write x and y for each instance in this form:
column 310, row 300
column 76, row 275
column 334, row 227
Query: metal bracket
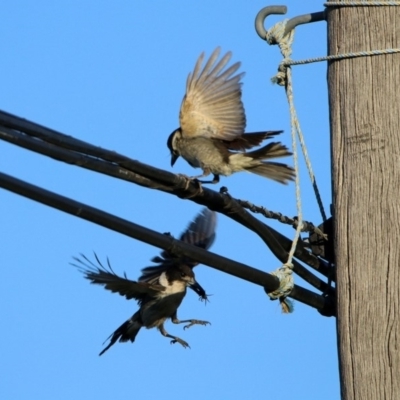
column 320, row 246
column 291, row 24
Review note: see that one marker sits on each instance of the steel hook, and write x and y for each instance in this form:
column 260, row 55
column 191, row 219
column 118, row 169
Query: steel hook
column 291, row 24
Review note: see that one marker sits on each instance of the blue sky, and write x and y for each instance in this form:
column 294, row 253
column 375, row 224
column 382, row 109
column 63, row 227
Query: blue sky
column 113, row 74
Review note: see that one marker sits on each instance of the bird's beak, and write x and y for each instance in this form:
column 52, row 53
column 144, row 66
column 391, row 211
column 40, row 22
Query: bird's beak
column 174, row 157
column 198, row 289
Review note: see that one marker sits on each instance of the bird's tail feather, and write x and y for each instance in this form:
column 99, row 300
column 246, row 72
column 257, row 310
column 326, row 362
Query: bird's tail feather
column 271, row 150
column 278, row 172
column 126, row 332
column 272, row 170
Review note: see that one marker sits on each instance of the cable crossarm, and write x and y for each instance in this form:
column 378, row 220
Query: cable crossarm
column 154, row 238
column 65, row 148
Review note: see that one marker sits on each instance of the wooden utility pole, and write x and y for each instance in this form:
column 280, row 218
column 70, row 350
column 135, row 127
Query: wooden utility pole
column 364, row 95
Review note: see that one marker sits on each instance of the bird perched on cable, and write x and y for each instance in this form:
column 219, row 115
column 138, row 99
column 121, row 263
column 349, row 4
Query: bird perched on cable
column 212, row 123
column 160, row 289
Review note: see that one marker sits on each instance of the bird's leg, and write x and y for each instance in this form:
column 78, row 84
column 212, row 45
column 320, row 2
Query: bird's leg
column 175, row 339
column 214, row 181
column 205, row 173
column 191, row 322
column 175, row 320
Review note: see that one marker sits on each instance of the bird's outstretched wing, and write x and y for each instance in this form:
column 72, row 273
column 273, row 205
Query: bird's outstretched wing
column 200, row 233
column 212, row 106
column 100, row 275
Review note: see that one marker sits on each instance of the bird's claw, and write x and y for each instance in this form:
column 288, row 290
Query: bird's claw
column 188, row 180
column 204, row 298
column 199, row 186
column 196, row 322
column 180, row 341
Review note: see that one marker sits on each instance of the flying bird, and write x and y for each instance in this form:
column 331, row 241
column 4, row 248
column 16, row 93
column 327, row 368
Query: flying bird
column 160, row 289
column 212, row 124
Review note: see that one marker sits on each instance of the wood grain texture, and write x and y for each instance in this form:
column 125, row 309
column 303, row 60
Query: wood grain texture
column 365, row 121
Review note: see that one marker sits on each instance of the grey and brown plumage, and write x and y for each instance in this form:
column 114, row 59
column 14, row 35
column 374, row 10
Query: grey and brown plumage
column 160, row 289
column 212, row 124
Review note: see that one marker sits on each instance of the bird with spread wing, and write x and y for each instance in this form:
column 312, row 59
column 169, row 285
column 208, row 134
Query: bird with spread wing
column 160, row 289
column 212, row 125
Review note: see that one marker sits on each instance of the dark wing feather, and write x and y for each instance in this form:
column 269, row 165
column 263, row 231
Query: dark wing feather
column 249, row 140
column 200, row 233
column 100, row 275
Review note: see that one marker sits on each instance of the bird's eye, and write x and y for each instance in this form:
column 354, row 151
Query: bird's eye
column 183, row 274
